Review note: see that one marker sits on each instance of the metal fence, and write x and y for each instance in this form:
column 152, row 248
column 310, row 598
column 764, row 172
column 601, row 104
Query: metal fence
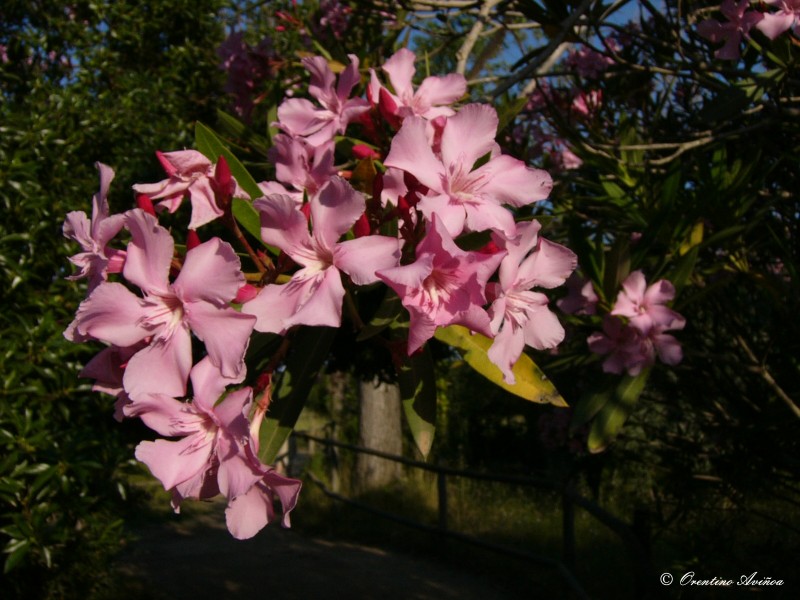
column 643, row 574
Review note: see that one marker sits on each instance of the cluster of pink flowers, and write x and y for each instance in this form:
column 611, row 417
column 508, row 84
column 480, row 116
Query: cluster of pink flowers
column 149, row 361
column 176, row 324
column 589, row 63
column 740, row 21
column 634, row 332
column 247, row 67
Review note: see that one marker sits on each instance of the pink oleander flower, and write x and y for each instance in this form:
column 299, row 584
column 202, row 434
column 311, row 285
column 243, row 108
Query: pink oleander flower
column 300, row 117
column 581, row 299
column 519, row 315
column 461, row 197
column 300, row 165
column 587, row 104
column 630, row 350
column 431, row 98
column 444, row 286
column 189, row 172
column 107, row 369
column 645, row 306
column 785, row 18
column 247, row 68
column 97, row 260
column 314, row 294
column 740, row 22
column 335, row 16
column 215, row 454
column 588, row 63
column 167, row 314
column 567, row 159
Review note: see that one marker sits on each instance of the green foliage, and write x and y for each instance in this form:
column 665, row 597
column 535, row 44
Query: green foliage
column 85, row 82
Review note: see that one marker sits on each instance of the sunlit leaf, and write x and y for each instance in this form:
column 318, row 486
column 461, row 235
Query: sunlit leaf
column 532, row 384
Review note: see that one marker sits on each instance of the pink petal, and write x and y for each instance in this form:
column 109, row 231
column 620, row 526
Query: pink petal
column 441, row 90
column 211, row 272
column 273, row 305
column 487, row 215
column 509, row 181
column 231, row 413
column 322, row 305
column 548, row 267
column 421, row 329
column 348, row 79
column 204, row 203
column 407, row 276
column 668, row 349
column 164, row 414
column 774, row 24
column 543, row 330
column 361, row 257
column 284, row 226
column 506, row 350
column 187, row 161
column 299, row 116
column 400, row 69
column 249, row 513
column 452, row 215
column 236, row 474
column 469, row 135
column 162, row 367
column 173, row 463
column 411, row 152
column 209, row 384
column 634, row 287
column 226, row 334
column 661, row 292
column 149, row 252
column 322, row 78
column 77, row 227
column 111, row 314
column 287, row 490
column 336, row 209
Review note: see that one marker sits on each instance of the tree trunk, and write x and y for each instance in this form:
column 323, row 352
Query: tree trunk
column 379, row 429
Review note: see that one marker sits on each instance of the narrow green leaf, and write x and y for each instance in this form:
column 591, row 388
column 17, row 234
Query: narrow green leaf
column 248, row 217
column 532, row 384
column 417, row 382
column 612, row 416
column 17, row 553
column 587, row 407
column 212, row 147
column 310, row 347
column 387, row 313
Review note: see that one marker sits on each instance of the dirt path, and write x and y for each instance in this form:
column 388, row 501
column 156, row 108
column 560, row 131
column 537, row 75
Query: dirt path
column 196, row 558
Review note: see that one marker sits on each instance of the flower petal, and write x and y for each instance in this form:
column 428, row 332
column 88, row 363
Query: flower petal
column 149, row 252
column 211, row 272
column 361, row 257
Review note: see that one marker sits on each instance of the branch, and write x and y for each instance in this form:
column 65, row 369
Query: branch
column 766, row 376
column 532, row 67
column 472, row 37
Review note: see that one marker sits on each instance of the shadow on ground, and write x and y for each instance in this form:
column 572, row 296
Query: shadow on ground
column 193, row 556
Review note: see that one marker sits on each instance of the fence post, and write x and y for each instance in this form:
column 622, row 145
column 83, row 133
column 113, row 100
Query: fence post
column 441, row 486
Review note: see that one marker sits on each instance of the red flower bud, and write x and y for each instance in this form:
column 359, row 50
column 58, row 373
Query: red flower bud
column 192, row 240
column 144, row 202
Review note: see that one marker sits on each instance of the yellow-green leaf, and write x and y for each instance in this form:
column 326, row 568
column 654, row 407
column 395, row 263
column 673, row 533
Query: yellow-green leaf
column 532, row 384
